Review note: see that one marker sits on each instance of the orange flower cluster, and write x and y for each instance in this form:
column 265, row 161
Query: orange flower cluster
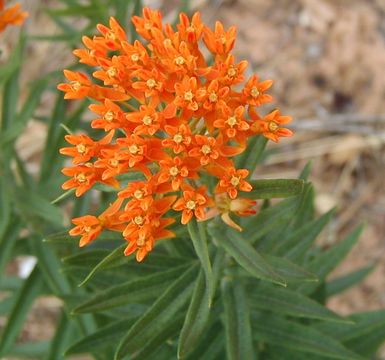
column 169, row 116
column 11, row 16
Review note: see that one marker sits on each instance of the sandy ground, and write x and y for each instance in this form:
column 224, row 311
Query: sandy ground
column 327, row 58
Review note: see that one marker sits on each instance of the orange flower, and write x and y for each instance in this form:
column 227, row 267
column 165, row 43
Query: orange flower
column 224, row 206
column 90, row 227
column 173, row 119
column 85, row 148
column 254, row 91
column 180, row 138
column 219, row 42
column 11, row 16
column 269, row 125
column 192, row 203
column 205, row 149
column 233, row 124
column 232, row 180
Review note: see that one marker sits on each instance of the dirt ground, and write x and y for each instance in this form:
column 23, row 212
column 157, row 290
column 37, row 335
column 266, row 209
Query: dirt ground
column 327, row 58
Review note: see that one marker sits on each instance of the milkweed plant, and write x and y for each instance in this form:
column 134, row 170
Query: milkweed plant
column 183, row 254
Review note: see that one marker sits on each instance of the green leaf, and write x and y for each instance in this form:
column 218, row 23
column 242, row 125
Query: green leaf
column 87, row 259
column 245, row 255
column 212, row 347
column 288, row 302
column 305, row 173
column 324, row 263
column 305, row 211
column 5, row 206
column 253, row 155
column 24, row 299
column 61, row 237
column 157, row 340
column 342, row 283
column 31, row 349
column 254, row 227
column 7, row 242
column 105, row 336
column 300, row 241
column 25, row 114
column 291, row 335
column 198, row 313
column 289, row 271
column 239, row 344
column 33, row 204
column 365, row 336
column 158, row 316
column 274, row 188
column 113, row 257
column 50, row 266
column 59, row 341
column 131, row 292
column 198, row 236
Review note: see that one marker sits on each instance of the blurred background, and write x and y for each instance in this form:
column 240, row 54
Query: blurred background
column 327, row 58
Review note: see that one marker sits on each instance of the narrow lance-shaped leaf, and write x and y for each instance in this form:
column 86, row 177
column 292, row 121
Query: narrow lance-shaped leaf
column 274, row 188
column 291, row 335
column 288, row 302
column 239, row 344
column 24, row 300
column 198, row 236
column 198, row 313
column 108, row 260
column 257, row 226
column 254, row 153
column 131, row 292
column 299, row 241
column 158, row 316
column 324, row 263
column 59, row 341
column 342, row 283
column 289, row 271
column 364, row 336
column 245, row 255
column 105, row 336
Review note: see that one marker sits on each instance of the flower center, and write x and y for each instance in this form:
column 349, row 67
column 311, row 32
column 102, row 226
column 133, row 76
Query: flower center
column 87, row 229
column 231, row 72
column 206, row 149
column 147, row 120
column 138, row 220
column 213, row 97
column 112, row 71
column 151, row 83
column 178, row 138
column 254, row 92
column 109, row 115
column 141, row 240
column 135, row 57
column 114, row 162
column 81, row 178
column 188, row 95
column 81, row 148
column 75, row 85
column 133, row 149
column 190, row 205
column 234, row 181
column 232, row 121
column 223, row 40
column 273, row 126
column 179, row 60
column 110, row 35
column 147, row 25
column 174, row 171
column 138, row 194
column 190, row 29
